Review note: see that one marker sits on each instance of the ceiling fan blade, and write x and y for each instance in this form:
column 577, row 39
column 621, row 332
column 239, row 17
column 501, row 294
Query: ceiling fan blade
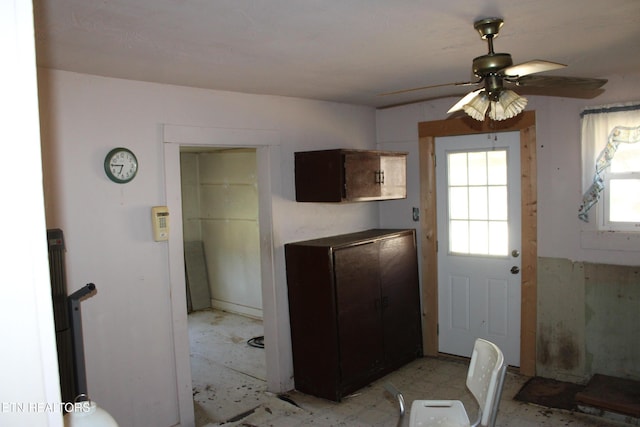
column 431, row 87
column 530, row 67
column 465, row 100
column 562, row 92
column 582, row 83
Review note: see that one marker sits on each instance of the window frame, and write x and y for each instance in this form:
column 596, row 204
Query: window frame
column 604, row 208
column 600, row 233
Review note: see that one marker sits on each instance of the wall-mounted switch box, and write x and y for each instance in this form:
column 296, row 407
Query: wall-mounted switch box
column 160, row 223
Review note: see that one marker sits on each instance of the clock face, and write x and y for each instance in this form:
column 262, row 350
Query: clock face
column 121, row 165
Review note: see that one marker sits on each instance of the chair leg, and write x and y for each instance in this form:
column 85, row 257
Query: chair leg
column 396, row 393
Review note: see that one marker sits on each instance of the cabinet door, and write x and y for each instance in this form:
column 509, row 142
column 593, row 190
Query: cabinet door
column 375, row 176
column 400, row 299
column 358, row 304
column 393, row 177
column 319, row 176
column 362, row 176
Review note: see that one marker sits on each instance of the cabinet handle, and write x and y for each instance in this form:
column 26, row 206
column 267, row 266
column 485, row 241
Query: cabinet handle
column 385, row 302
column 379, row 177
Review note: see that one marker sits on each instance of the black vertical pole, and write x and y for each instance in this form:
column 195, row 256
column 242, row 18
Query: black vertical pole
column 78, row 343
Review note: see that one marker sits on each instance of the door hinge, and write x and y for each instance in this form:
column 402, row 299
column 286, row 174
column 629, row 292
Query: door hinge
column 438, row 329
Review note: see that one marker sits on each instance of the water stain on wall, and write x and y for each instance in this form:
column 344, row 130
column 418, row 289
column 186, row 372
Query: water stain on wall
column 557, row 347
column 588, row 320
column 568, row 352
column 612, row 300
column 544, row 346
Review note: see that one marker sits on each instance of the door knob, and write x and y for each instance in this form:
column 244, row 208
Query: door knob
column 515, row 269
column 515, row 253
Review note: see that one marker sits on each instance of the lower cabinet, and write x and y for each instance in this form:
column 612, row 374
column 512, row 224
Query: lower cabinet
column 354, row 307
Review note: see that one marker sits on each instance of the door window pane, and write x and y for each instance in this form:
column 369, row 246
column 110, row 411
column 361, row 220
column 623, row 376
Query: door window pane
column 479, row 233
column 497, row 171
column 478, row 213
column 459, row 203
column 457, row 169
column 478, row 203
column 498, row 203
column 477, row 168
column 459, row 232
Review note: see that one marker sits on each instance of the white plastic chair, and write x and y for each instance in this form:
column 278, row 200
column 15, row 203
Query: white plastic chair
column 485, row 379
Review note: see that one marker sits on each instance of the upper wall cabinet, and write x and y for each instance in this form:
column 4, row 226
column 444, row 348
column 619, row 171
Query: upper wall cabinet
column 350, row 175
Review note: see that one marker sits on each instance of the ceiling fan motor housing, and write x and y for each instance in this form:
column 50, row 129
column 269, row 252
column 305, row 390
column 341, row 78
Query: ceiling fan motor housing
column 491, row 63
column 488, row 67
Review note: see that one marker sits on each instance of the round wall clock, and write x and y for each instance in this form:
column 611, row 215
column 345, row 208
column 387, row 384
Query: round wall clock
column 121, row 165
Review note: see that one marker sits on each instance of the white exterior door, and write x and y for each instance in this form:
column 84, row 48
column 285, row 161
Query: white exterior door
column 479, row 232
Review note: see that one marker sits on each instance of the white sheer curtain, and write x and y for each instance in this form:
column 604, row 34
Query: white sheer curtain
column 603, row 128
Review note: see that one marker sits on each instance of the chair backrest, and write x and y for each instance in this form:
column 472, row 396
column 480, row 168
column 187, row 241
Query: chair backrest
column 485, row 378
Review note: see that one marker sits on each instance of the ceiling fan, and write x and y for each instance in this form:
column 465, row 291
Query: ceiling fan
column 496, row 73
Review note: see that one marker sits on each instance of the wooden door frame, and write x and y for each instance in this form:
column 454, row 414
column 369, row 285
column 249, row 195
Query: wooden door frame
column 525, row 123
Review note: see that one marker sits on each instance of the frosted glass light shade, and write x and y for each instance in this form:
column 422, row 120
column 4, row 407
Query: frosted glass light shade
column 509, row 104
column 477, row 107
column 477, row 103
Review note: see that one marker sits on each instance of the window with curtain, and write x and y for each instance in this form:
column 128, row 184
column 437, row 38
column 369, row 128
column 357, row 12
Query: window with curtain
column 611, row 167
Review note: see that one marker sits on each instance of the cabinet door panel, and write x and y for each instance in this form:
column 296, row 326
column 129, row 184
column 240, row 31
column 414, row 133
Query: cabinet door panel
column 362, row 176
column 319, row 176
column 358, row 306
column 401, row 299
column 394, row 177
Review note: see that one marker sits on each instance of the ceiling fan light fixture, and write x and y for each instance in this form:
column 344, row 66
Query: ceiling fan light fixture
column 493, row 70
column 477, row 107
column 508, row 105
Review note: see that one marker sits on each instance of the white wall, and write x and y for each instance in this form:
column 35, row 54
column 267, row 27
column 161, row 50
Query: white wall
column 128, row 340
column 28, row 373
column 559, row 170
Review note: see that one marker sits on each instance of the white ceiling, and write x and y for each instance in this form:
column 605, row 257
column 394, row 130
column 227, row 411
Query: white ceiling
column 338, row 50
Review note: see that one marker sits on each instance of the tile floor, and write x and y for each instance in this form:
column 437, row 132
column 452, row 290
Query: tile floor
column 229, row 379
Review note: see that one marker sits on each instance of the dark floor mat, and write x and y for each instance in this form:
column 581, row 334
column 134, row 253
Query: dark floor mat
column 614, row 394
column 550, row 393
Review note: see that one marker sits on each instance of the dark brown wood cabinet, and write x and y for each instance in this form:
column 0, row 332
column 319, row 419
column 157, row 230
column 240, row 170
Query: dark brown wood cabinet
column 354, row 308
column 350, row 175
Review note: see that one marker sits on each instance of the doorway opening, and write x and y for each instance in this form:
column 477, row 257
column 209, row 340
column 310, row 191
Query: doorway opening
column 277, row 352
column 222, row 258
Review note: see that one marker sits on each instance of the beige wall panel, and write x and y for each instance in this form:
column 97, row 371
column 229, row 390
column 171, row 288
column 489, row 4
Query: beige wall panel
column 238, row 166
column 233, row 261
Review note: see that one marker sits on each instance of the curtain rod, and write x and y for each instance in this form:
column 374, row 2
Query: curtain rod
column 610, row 109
